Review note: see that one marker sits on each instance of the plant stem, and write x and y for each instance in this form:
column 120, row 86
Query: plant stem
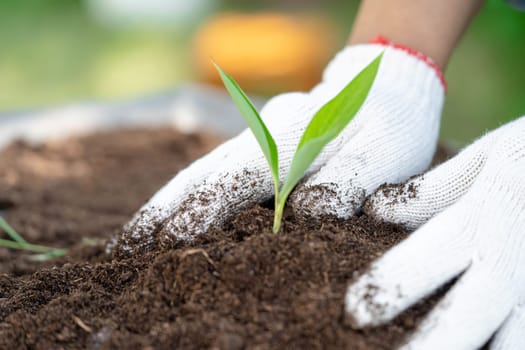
column 279, row 208
column 276, row 217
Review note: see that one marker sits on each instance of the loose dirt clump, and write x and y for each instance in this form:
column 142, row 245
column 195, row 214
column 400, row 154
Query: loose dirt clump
column 236, row 287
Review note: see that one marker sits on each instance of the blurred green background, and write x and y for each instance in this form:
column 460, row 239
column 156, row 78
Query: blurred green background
column 57, row 51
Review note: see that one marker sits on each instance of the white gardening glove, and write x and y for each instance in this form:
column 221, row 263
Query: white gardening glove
column 391, row 138
column 476, row 206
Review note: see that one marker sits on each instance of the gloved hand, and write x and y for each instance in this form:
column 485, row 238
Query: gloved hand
column 391, row 138
column 475, row 207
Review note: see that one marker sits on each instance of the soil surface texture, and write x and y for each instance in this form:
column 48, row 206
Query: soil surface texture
column 236, row 287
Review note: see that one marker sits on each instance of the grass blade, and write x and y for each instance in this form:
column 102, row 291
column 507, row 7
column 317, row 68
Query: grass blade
column 11, row 231
column 326, row 124
column 254, row 121
column 25, row 246
column 18, row 242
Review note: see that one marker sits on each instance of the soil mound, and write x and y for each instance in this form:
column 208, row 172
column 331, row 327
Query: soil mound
column 237, row 287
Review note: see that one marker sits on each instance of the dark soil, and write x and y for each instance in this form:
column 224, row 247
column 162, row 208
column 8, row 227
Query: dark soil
column 233, row 288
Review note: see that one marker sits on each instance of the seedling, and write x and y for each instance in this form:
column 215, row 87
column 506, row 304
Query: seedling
column 42, row 253
column 325, row 125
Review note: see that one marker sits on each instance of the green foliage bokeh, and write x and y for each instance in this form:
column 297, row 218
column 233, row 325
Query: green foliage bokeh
column 51, row 52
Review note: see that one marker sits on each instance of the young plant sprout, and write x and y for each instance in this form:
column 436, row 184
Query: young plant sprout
column 325, row 125
column 42, row 253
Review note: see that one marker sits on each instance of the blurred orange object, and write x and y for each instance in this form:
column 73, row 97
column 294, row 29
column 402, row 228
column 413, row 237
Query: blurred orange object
column 265, row 52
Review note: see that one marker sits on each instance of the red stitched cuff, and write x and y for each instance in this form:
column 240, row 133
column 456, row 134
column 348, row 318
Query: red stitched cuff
column 381, row 40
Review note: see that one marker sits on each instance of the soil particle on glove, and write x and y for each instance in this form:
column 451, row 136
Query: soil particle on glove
column 397, row 193
column 402, row 192
column 236, row 287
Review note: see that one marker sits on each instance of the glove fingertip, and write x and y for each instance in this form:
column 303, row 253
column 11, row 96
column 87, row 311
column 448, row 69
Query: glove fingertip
column 355, row 313
column 390, row 202
column 137, row 235
column 367, row 304
column 377, row 203
column 326, row 199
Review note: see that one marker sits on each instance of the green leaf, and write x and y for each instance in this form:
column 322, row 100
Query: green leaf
column 35, row 248
column 255, row 122
column 328, row 122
